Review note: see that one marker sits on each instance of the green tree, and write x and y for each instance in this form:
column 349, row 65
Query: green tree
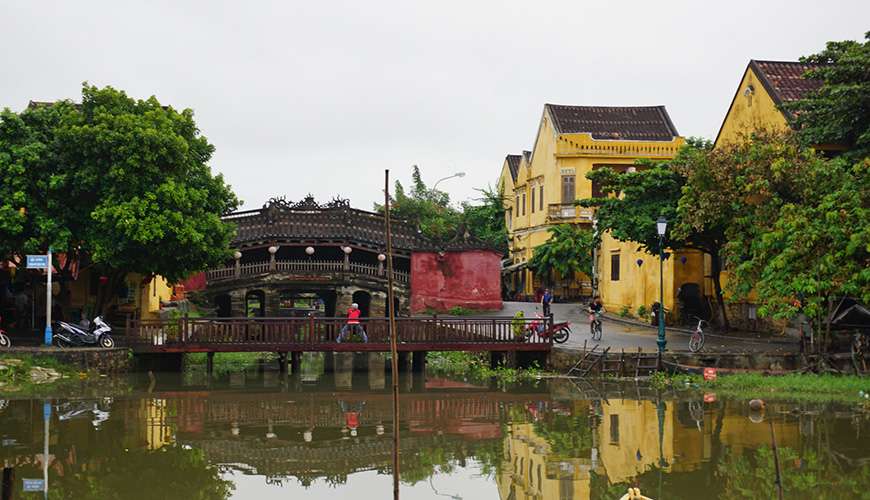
column 568, row 251
column 486, row 220
column 838, row 113
column 798, row 234
column 426, row 208
column 122, row 181
column 631, row 202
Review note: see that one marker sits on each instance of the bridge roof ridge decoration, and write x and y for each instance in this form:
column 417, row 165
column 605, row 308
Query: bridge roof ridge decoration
column 308, row 221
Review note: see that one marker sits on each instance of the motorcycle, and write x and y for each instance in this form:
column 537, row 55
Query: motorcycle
column 5, row 341
column 68, row 335
column 559, row 331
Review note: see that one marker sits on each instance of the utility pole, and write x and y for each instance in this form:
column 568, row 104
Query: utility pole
column 391, row 307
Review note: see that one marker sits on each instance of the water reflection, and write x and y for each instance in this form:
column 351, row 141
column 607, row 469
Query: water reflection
column 260, row 434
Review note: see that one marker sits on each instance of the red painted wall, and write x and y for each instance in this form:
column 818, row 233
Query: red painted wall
column 470, row 278
column 194, row 282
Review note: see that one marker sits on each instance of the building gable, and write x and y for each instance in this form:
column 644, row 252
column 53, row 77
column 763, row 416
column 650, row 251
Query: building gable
column 758, row 101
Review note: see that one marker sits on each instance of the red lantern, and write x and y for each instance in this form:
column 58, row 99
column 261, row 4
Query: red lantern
column 104, row 280
column 709, row 374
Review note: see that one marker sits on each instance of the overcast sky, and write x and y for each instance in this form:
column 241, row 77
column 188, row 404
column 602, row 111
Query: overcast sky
column 321, row 97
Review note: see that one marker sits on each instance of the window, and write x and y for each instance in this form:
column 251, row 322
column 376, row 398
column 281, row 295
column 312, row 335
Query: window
column 524, row 203
column 541, row 197
column 517, row 204
column 533, row 199
column 509, row 217
column 614, row 429
column 614, row 267
column 568, row 193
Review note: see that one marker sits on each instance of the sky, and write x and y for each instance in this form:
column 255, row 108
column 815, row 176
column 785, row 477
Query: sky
column 322, row 97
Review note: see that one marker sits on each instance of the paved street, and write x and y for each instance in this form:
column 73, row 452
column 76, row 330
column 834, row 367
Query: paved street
column 629, row 337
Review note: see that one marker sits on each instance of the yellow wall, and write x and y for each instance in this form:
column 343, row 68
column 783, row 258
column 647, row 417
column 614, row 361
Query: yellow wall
column 553, row 155
column 639, row 284
column 749, row 111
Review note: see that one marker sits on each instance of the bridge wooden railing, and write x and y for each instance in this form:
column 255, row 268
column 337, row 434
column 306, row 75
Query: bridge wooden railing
column 321, row 334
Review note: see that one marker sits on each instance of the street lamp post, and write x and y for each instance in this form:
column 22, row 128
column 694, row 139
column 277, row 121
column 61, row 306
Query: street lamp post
column 661, row 228
column 457, row 174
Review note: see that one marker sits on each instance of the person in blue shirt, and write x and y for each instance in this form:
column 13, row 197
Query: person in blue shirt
column 546, row 299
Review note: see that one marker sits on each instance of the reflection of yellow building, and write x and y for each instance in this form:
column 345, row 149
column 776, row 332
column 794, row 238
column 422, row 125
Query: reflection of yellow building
column 628, row 438
column 541, row 187
column 158, row 432
column 529, row 473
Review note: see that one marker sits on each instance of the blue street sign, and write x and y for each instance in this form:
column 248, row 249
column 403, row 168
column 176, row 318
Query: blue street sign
column 37, row 262
column 34, row 484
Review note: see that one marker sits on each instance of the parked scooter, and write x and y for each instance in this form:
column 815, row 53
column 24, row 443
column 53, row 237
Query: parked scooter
column 5, row 342
column 69, row 335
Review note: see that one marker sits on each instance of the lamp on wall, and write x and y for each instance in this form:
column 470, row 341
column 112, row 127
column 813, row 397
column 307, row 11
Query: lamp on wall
column 639, row 262
column 309, row 250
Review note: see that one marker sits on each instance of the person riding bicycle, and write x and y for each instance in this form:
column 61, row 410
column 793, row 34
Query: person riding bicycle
column 595, row 308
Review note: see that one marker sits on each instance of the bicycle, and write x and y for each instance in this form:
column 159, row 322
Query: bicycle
column 595, row 324
column 696, row 341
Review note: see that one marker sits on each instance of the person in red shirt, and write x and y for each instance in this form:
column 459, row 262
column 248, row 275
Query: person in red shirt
column 353, row 325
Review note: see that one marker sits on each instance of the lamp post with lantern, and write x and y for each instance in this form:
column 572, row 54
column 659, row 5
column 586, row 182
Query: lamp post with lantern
column 661, row 229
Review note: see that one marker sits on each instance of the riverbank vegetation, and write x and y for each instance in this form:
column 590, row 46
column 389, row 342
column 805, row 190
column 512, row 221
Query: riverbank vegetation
column 28, row 375
column 796, row 387
column 225, row 362
column 476, row 366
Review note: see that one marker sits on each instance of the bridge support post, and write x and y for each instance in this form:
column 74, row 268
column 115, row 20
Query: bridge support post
column 404, row 362
column 329, row 362
column 418, row 362
column 295, row 361
column 209, row 362
column 377, row 371
column 282, row 363
column 504, row 358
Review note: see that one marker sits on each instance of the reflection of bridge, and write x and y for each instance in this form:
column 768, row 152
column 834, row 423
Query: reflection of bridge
column 320, row 334
column 452, row 413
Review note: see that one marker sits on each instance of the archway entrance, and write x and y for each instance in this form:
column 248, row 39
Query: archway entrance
column 255, row 304
column 364, row 300
column 223, row 306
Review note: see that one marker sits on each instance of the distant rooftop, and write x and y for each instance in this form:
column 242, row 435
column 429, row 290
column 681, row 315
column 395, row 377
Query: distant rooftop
column 513, row 162
column 639, row 123
column 784, row 80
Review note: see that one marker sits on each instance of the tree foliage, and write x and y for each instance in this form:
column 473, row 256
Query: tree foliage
column 838, row 112
column 431, row 211
column 798, row 234
column 124, row 182
column 568, row 251
column 631, row 202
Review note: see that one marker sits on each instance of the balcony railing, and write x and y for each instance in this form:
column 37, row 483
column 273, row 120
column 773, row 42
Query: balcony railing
column 568, row 212
column 303, row 267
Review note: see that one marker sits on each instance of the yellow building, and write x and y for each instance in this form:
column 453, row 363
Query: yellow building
column 541, row 188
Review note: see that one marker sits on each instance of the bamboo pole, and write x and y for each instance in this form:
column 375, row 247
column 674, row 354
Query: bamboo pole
column 391, row 307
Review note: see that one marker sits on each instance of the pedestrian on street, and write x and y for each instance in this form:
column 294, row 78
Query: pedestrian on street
column 546, row 299
column 353, row 326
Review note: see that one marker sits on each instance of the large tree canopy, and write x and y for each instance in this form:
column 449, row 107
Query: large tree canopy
column 838, row 112
column 122, row 181
column 631, row 202
column 798, row 234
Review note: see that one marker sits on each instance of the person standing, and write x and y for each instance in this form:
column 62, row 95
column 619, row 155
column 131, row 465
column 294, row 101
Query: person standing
column 353, row 325
column 546, row 299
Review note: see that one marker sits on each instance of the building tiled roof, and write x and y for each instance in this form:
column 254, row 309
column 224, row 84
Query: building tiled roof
column 784, row 80
column 528, row 156
column 513, row 162
column 640, row 123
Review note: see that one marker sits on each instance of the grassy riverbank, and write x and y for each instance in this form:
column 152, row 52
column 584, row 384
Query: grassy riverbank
column 25, row 375
column 796, row 387
column 476, row 366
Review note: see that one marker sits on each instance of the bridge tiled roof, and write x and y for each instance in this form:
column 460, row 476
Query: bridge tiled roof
column 309, row 221
column 513, row 162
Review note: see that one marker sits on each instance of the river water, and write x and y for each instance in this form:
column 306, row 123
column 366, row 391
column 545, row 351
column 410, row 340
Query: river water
column 261, row 435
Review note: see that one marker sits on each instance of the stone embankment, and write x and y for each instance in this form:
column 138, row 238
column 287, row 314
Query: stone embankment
column 115, row 360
